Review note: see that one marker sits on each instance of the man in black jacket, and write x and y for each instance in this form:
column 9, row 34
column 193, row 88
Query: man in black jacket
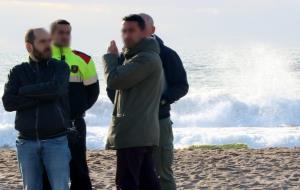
column 176, row 86
column 38, row 92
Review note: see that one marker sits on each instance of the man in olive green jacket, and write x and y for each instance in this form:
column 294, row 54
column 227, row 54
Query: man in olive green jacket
column 135, row 126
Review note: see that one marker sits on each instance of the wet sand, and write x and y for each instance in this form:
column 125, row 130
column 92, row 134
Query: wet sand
column 275, row 168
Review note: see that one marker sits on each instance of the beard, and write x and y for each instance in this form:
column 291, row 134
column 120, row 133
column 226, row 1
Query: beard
column 42, row 55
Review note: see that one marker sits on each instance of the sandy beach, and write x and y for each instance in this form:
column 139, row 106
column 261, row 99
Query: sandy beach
column 274, row 168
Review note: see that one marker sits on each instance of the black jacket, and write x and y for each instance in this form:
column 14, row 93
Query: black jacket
column 38, row 92
column 176, row 80
column 82, row 97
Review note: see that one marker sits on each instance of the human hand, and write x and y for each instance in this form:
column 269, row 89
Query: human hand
column 112, row 48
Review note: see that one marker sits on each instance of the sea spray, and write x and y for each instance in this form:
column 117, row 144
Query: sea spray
column 237, row 95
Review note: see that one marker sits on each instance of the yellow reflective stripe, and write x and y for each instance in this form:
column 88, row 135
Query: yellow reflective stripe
column 75, row 79
column 90, row 81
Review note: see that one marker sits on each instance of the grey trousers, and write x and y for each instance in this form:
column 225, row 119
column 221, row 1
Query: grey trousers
column 163, row 155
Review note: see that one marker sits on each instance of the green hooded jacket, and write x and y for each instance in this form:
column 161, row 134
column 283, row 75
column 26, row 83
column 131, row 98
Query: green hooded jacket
column 138, row 81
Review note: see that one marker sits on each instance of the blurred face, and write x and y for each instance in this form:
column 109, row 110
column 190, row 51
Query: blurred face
column 41, row 47
column 61, row 36
column 132, row 34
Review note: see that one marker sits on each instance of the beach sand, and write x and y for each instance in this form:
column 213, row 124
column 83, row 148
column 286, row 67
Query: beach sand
column 274, row 168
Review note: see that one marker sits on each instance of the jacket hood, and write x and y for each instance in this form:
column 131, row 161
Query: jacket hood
column 145, row 45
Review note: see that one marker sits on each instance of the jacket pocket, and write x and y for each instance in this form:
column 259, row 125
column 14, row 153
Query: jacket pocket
column 24, row 121
column 120, row 125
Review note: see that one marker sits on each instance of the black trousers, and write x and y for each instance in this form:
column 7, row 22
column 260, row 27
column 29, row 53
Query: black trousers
column 135, row 169
column 79, row 173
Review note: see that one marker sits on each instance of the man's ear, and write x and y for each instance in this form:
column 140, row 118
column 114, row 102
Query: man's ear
column 29, row 47
column 153, row 30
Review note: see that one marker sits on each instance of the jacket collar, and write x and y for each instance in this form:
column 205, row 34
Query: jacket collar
column 60, row 50
column 39, row 63
column 159, row 40
column 146, row 44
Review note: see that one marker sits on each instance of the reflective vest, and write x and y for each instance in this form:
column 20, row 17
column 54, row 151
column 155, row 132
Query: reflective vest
column 82, row 66
column 83, row 83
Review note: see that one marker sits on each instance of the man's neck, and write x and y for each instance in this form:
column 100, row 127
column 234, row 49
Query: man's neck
column 32, row 57
column 136, row 44
column 60, row 46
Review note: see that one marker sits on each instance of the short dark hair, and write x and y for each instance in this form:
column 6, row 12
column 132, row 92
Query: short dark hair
column 57, row 22
column 136, row 18
column 29, row 36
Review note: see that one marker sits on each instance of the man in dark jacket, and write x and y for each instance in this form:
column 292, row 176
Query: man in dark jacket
column 176, row 86
column 135, row 127
column 38, row 92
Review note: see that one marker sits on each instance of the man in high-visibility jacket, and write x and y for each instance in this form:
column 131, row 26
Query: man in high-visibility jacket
column 83, row 93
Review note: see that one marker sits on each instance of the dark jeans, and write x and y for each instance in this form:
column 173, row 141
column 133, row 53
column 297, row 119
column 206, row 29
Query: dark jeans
column 135, row 169
column 79, row 173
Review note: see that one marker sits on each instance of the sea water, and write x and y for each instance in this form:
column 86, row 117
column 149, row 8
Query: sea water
column 245, row 95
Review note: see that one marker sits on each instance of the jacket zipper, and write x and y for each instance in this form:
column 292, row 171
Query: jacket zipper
column 62, row 57
column 36, row 123
column 37, row 115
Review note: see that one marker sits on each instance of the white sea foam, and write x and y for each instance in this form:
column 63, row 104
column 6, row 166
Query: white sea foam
column 254, row 137
column 216, row 120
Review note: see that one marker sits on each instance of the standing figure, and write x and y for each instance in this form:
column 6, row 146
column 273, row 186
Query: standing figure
column 176, row 86
column 83, row 93
column 134, row 131
column 38, row 91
